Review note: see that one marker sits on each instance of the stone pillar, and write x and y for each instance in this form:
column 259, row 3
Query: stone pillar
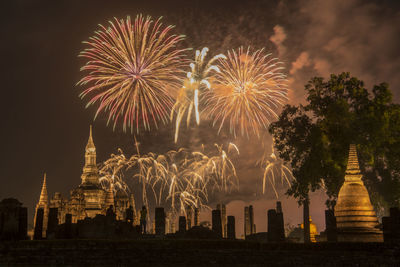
column 52, row 223
column 37, row 235
column 272, row 226
column 160, row 221
column 280, row 224
column 189, row 215
column 391, row 226
column 23, row 223
column 231, row 227
column 167, row 223
column 223, row 220
column 251, row 214
column 330, row 226
column 68, row 226
column 13, row 220
column 247, row 225
column 182, row 224
column 129, row 215
column 216, row 222
column 196, row 216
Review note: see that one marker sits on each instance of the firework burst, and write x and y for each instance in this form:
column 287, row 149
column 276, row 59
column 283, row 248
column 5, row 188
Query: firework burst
column 248, row 91
column 177, row 179
column 274, row 169
column 133, row 71
column 198, row 78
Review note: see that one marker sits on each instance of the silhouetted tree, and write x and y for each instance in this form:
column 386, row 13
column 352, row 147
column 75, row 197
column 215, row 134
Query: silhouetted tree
column 314, row 138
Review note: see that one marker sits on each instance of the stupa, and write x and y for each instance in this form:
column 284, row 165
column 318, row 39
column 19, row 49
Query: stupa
column 355, row 217
column 313, row 230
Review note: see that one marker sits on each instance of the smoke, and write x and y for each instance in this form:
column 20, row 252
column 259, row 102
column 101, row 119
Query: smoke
column 278, row 38
column 360, row 37
column 302, row 61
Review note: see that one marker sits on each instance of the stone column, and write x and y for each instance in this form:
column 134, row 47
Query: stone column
column 391, row 226
column 160, row 221
column 39, row 224
column 189, row 215
column 280, row 224
column 23, row 223
column 231, row 228
column 52, row 223
column 272, row 226
column 247, row 226
column 330, row 226
column 68, row 226
column 196, row 216
column 216, row 222
column 182, row 224
column 251, row 215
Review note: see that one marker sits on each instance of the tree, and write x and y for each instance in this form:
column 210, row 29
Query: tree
column 314, row 139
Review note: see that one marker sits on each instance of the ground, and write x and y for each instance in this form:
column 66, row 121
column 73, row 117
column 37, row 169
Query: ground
column 195, row 253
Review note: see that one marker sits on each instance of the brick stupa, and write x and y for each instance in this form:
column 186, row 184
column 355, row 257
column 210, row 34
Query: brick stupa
column 355, row 216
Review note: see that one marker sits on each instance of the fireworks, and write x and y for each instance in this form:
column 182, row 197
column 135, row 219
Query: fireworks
column 197, row 80
column 248, row 91
column 274, row 168
column 133, row 72
column 111, row 175
column 178, row 178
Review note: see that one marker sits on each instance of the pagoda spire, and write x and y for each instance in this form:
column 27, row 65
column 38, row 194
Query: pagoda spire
column 43, row 204
column 43, row 200
column 90, row 151
column 90, row 171
column 90, row 144
column 353, row 173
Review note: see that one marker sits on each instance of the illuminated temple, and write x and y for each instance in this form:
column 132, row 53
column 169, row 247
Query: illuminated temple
column 355, row 216
column 89, row 198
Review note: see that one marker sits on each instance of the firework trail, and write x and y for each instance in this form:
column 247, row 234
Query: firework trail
column 178, row 178
column 198, row 78
column 133, row 71
column 111, row 175
column 275, row 168
column 249, row 90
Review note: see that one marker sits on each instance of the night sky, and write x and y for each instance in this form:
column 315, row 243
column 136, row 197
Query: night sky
column 45, row 124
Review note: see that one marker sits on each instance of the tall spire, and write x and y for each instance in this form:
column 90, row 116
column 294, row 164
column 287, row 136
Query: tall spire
column 90, row 171
column 90, row 151
column 90, row 144
column 353, row 173
column 43, row 200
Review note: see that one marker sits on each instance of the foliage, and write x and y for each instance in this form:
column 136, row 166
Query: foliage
column 315, row 138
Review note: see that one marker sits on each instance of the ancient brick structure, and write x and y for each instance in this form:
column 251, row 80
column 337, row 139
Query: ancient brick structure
column 355, row 217
column 89, row 198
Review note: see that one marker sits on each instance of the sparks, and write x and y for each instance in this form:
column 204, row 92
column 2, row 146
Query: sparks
column 249, row 90
column 133, row 72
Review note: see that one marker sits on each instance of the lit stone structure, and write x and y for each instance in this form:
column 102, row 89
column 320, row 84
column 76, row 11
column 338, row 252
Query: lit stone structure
column 89, row 198
column 222, row 208
column 44, row 204
column 355, row 216
column 313, row 230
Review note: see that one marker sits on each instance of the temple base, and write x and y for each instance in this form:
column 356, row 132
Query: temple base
column 359, row 235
